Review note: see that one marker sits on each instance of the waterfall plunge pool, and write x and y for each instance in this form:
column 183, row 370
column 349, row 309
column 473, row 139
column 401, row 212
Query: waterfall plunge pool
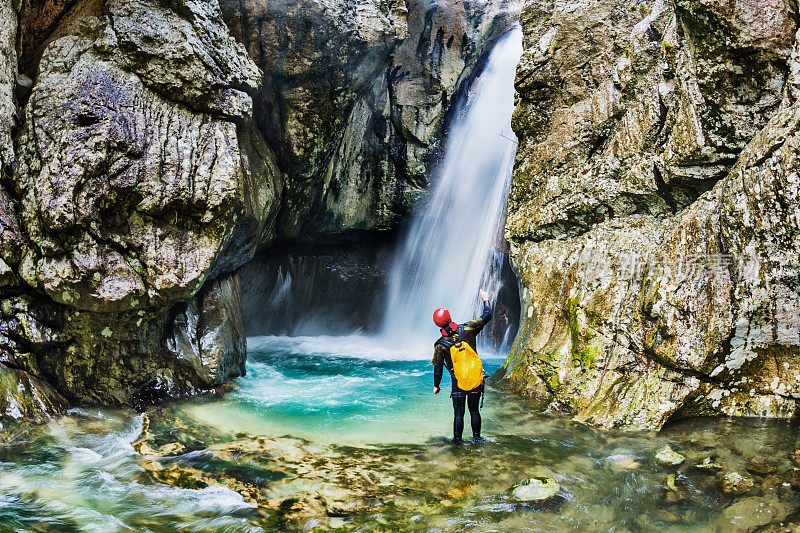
column 344, row 433
column 329, row 432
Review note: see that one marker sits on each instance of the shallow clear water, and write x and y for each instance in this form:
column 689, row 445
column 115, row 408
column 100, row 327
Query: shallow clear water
column 368, row 441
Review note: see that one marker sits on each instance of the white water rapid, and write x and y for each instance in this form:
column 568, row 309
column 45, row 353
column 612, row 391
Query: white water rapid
column 449, row 250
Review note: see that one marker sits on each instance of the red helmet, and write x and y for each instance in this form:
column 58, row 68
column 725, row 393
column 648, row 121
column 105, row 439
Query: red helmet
column 441, row 317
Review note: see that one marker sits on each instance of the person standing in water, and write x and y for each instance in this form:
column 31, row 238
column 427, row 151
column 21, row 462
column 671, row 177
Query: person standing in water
column 452, row 334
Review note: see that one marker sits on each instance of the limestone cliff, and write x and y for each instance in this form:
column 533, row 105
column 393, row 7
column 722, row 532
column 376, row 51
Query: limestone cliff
column 149, row 147
column 654, row 218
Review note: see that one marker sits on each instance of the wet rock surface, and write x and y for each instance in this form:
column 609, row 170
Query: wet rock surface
column 652, row 215
column 295, row 483
column 23, row 398
column 316, row 290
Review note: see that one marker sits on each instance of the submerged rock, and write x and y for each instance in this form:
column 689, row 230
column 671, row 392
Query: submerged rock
column 667, row 456
column 536, row 489
column 625, row 462
column 795, row 457
column 791, row 476
column 734, row 483
column 761, row 465
column 747, row 514
column 675, row 491
column 708, row 465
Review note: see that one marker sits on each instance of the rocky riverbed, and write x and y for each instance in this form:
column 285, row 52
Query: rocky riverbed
column 319, row 453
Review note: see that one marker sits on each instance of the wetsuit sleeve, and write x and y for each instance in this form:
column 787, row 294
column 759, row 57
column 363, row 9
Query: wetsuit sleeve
column 438, row 364
column 475, row 326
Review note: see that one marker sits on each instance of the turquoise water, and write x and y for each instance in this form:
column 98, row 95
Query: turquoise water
column 343, row 390
column 345, row 433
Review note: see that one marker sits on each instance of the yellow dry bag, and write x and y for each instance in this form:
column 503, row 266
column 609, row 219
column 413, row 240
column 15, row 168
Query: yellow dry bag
column 467, row 366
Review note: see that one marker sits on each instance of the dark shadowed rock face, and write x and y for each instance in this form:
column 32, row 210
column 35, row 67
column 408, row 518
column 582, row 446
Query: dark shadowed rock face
column 653, row 217
column 314, row 290
column 209, row 335
column 149, row 148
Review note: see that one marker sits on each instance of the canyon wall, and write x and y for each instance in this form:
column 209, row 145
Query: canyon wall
column 149, row 148
column 654, row 219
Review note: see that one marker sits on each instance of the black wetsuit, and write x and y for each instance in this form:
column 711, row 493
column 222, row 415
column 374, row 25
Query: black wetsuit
column 461, row 399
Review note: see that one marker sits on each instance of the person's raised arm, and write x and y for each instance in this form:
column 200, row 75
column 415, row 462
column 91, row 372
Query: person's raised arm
column 475, row 326
column 486, row 316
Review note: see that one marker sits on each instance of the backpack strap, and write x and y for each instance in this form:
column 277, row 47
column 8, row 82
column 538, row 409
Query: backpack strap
column 444, row 342
column 461, row 333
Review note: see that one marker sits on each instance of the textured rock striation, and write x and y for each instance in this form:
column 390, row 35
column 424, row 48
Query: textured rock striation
column 149, row 148
column 138, row 177
column 654, row 218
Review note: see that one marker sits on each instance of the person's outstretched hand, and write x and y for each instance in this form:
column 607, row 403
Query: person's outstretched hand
column 484, row 295
column 436, row 390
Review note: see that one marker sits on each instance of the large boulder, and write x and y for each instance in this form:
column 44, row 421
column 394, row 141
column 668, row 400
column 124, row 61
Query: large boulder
column 140, row 179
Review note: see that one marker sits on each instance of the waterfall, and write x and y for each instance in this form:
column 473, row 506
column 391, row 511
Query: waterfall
column 451, row 246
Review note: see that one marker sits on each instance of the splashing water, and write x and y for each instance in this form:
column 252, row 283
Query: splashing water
column 447, row 253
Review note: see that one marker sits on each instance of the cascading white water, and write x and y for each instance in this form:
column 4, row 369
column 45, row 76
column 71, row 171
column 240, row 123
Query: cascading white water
column 448, row 251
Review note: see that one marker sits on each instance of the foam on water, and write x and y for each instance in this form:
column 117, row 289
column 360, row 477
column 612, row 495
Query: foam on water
column 85, row 472
column 351, row 346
